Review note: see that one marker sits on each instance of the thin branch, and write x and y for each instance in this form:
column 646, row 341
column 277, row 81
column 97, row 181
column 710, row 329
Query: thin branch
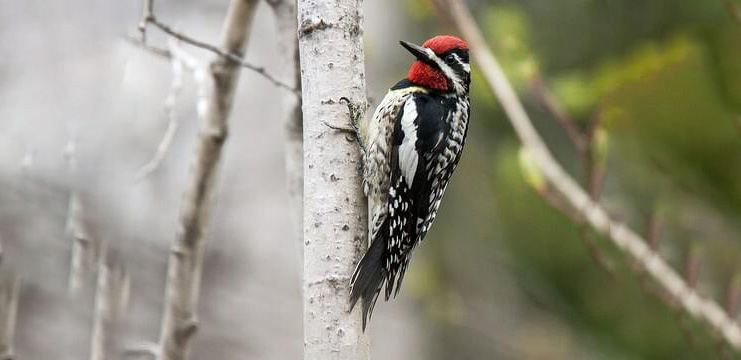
column 593, row 173
column 161, row 52
column 559, row 204
column 548, row 100
column 180, row 60
column 150, row 18
column 733, row 295
column 627, row 240
column 736, row 119
column 185, row 265
column 734, row 10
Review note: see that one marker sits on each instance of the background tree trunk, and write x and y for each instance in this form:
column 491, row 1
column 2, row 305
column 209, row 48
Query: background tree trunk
column 335, row 210
column 9, row 294
column 186, row 254
column 286, row 23
column 110, row 299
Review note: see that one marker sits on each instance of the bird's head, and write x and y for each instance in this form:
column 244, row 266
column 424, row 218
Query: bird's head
column 442, row 64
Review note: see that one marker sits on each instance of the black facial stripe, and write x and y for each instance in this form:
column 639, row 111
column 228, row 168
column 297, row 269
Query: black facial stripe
column 462, row 54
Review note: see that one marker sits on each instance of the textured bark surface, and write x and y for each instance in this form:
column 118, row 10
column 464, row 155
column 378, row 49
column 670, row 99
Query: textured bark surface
column 186, row 254
column 335, row 210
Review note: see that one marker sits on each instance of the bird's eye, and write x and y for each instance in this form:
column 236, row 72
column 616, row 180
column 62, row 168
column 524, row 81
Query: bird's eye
column 450, row 59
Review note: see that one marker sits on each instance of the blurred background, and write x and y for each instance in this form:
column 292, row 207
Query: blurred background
column 655, row 84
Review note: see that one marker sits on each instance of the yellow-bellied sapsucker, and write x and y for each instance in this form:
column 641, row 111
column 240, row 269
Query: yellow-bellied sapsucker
column 410, row 149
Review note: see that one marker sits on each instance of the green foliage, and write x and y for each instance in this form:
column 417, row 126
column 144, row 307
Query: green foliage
column 665, row 79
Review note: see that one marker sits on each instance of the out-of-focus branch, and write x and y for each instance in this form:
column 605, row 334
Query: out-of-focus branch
column 84, row 248
column 110, row 298
column 737, row 122
column 180, row 60
column 161, row 52
column 143, row 350
column 286, row 23
column 187, row 250
column 583, row 141
column 548, row 100
column 734, row 10
column 627, row 240
column 150, row 18
column 9, row 298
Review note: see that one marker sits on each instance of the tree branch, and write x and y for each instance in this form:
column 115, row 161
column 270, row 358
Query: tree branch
column 150, row 18
column 734, row 10
column 180, row 60
column 627, row 240
column 187, row 250
column 549, row 102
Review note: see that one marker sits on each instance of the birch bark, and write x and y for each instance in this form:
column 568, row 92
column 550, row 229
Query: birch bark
column 335, row 211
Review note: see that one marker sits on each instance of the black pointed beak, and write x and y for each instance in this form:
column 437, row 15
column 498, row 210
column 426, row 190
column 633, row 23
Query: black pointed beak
column 416, row 50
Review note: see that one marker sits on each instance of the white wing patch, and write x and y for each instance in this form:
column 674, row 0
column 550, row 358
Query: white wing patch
column 408, row 157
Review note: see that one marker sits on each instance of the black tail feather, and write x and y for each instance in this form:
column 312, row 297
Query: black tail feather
column 368, row 279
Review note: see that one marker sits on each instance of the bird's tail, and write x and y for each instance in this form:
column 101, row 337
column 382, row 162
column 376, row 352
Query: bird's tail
column 368, row 278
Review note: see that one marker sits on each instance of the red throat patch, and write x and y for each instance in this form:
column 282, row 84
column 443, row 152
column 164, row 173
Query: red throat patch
column 424, row 74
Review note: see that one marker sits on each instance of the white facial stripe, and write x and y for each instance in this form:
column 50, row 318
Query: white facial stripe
column 466, row 67
column 448, row 71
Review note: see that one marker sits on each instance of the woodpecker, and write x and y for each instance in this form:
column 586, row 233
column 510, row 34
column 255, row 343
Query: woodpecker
column 410, row 149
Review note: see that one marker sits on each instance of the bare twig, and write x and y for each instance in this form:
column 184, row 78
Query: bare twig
column 187, row 250
column 628, row 241
column 734, row 10
column 161, row 52
column 150, row 18
column 548, row 100
column 180, row 59
column 736, row 119
column 593, row 173
column 733, row 295
column 559, row 204
column 691, row 266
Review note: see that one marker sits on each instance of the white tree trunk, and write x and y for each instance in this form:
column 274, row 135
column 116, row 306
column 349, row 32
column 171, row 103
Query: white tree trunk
column 187, row 250
column 335, row 210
